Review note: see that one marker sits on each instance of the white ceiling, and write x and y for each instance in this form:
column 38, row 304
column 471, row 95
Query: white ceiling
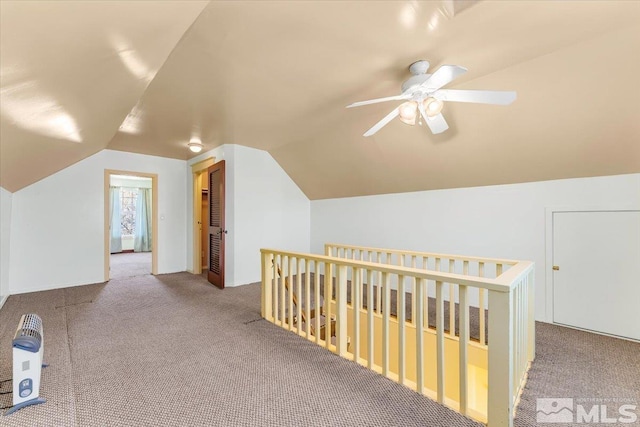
column 77, row 77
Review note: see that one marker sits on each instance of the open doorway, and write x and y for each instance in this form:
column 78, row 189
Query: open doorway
column 130, row 237
column 200, row 213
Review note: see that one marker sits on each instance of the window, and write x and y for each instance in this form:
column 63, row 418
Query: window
column 128, row 198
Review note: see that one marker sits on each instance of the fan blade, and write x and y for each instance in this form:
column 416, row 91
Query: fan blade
column 437, row 124
column 495, row 97
column 375, row 101
column 442, row 76
column 392, row 115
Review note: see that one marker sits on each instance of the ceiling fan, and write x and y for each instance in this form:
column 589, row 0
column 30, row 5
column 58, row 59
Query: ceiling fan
column 425, row 98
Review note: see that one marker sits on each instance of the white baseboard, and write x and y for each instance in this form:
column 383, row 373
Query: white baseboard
column 3, row 300
column 53, row 287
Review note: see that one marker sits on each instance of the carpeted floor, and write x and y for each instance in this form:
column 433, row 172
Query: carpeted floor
column 129, row 264
column 172, row 350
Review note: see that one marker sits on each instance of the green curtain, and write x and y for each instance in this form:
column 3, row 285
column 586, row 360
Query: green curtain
column 115, row 228
column 142, row 231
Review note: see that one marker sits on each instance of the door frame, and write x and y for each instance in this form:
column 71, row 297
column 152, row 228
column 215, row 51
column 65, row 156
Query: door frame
column 197, row 169
column 548, row 265
column 154, row 217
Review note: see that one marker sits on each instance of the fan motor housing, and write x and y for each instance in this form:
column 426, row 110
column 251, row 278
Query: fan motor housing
column 414, row 81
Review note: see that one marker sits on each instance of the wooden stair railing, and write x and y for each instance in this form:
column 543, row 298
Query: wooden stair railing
column 312, row 312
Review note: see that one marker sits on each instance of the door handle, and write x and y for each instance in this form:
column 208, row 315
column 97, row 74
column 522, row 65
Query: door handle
column 556, row 267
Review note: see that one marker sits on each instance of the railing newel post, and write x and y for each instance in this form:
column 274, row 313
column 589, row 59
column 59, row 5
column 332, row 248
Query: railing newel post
column 500, row 361
column 266, row 310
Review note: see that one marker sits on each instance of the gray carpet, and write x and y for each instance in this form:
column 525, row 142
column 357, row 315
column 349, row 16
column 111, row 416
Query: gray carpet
column 589, row 368
column 129, row 264
column 173, row 350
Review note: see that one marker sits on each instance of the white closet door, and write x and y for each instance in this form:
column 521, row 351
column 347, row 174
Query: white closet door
column 597, row 283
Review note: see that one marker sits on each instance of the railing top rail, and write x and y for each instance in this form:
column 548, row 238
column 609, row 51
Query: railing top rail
column 512, row 276
column 498, row 284
column 424, row 254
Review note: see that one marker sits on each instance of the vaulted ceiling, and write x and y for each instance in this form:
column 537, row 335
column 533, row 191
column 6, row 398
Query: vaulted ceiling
column 145, row 77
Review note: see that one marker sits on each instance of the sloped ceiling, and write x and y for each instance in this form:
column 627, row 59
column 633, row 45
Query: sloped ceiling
column 147, row 76
column 70, row 72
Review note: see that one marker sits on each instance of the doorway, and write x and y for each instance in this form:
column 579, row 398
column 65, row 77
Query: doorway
column 596, row 263
column 129, row 262
column 200, row 213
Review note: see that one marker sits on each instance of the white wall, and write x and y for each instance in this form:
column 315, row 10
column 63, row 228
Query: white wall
column 270, row 212
column 131, row 181
column 57, row 228
column 506, row 221
column 264, row 208
column 5, row 236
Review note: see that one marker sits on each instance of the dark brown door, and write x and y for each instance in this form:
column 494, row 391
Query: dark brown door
column 217, row 233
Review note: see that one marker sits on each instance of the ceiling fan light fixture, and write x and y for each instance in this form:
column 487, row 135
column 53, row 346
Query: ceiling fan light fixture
column 432, row 106
column 409, row 112
column 195, row 146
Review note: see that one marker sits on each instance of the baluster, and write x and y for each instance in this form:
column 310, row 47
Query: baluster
column 438, row 267
column 307, row 296
column 369, row 283
column 521, row 322
column 425, row 264
column 356, row 302
column 452, row 301
column 521, row 299
column 420, row 291
column 318, row 307
column 379, row 287
column 341, row 311
column 353, row 280
column 464, row 345
column 464, row 341
column 440, row 340
column 328, row 296
column 516, row 334
column 481, row 303
column 292, row 264
column 299, row 299
column 400, row 310
column 283, row 291
column 276, row 289
column 385, row 323
column 413, row 292
column 370, row 331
